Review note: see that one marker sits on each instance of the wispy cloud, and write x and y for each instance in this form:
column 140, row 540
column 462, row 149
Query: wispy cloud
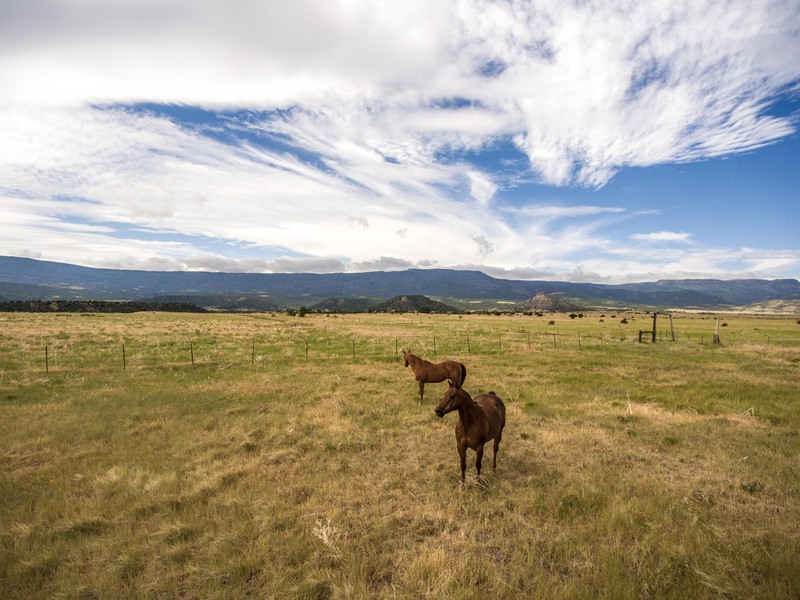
column 662, row 236
column 354, row 135
column 540, row 211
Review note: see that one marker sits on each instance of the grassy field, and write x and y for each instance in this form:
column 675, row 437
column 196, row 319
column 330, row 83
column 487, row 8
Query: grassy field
column 222, row 456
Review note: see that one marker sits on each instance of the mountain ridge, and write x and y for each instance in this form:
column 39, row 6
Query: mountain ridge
column 31, row 279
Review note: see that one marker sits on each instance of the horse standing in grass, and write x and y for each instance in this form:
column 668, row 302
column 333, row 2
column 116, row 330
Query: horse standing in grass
column 479, row 421
column 428, row 372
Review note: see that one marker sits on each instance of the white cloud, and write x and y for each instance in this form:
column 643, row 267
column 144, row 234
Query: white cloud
column 662, row 236
column 541, row 211
column 587, row 88
column 383, row 109
column 481, row 187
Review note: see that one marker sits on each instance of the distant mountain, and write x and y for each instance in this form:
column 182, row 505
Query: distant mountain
column 27, row 279
column 545, row 302
column 346, row 305
column 132, row 284
column 414, row 303
column 224, row 302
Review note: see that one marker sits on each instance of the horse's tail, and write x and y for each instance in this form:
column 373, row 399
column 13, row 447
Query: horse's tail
column 463, row 374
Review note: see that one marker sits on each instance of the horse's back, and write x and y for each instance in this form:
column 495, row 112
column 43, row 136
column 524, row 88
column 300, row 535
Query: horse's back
column 494, row 408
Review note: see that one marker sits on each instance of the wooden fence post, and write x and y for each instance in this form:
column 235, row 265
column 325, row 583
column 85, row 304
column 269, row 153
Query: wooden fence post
column 46, row 361
column 124, row 361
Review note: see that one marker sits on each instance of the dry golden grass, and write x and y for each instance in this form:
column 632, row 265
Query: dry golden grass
column 626, row 470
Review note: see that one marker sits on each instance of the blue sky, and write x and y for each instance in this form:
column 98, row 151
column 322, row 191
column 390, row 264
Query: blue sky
column 579, row 140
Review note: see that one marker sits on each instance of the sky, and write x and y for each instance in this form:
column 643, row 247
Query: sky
column 579, row 140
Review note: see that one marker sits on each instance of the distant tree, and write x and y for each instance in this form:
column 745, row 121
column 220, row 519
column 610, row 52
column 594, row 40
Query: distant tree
column 303, row 311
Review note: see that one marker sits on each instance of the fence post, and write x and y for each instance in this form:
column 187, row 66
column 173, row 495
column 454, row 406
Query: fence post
column 306, row 350
column 46, row 361
column 191, row 351
column 124, row 361
column 469, row 348
column 253, row 356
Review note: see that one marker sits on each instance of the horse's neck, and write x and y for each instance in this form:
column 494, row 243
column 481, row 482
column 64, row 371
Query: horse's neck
column 417, row 361
column 468, row 411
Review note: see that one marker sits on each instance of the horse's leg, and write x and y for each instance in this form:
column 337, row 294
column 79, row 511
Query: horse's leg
column 421, row 390
column 494, row 456
column 478, row 460
column 462, row 453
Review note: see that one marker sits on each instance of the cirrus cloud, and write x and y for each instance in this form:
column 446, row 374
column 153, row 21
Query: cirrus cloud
column 353, row 134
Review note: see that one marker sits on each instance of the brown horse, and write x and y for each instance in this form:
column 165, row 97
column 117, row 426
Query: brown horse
column 479, row 421
column 428, row 372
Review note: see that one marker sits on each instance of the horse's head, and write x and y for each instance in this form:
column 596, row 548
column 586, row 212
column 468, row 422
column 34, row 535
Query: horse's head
column 406, row 354
column 452, row 399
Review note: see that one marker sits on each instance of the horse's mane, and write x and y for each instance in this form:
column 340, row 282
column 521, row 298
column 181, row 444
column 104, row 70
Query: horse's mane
column 419, row 358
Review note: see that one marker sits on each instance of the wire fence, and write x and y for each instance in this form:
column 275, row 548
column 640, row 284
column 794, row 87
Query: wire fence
column 220, row 351
column 52, row 345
